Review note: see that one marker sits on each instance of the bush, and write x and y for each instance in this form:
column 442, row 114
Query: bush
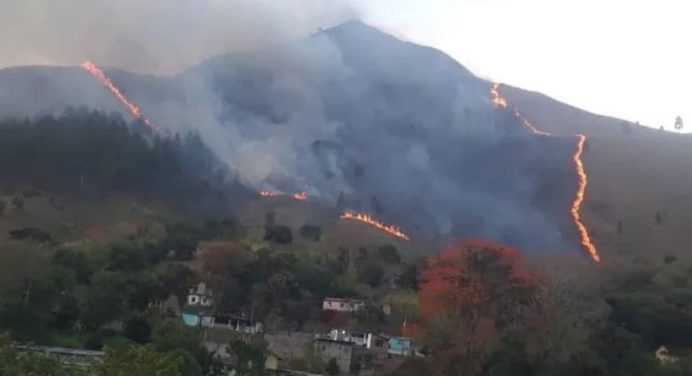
column 31, row 233
column 311, row 232
column 389, row 254
column 279, row 234
column 137, row 329
column 372, row 274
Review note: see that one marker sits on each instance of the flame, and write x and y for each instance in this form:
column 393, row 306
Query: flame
column 365, row 218
column 268, row 193
column 579, row 199
column 498, row 100
column 134, row 110
column 586, row 241
column 300, row 196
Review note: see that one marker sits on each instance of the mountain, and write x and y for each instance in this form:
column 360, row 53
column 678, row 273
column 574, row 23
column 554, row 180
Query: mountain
column 361, row 120
column 638, row 176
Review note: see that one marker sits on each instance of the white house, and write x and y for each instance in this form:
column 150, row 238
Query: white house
column 359, row 338
column 342, row 305
column 200, row 296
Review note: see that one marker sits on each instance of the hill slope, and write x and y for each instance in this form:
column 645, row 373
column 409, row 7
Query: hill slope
column 634, row 172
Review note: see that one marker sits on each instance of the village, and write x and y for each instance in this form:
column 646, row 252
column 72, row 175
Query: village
column 353, row 350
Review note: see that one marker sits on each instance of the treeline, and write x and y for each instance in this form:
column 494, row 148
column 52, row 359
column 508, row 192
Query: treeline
column 108, row 297
column 484, row 311
column 88, row 151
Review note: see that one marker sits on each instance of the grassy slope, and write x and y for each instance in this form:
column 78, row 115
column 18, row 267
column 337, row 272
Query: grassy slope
column 337, row 232
column 631, row 177
column 85, row 222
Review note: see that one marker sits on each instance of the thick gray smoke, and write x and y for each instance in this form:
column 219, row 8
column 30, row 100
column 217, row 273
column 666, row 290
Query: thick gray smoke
column 368, row 122
column 152, row 36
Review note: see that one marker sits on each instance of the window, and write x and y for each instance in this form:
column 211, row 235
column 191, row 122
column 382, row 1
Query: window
column 379, row 343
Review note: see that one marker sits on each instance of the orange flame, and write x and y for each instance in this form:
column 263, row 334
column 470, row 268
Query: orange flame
column 134, row 110
column 268, row 193
column 501, row 102
column 579, row 199
column 498, row 100
column 300, row 196
column 365, row 218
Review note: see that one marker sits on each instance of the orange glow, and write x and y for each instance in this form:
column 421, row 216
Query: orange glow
column 134, row 110
column 268, row 193
column 501, row 102
column 365, row 218
column 576, row 205
column 300, row 196
column 498, row 100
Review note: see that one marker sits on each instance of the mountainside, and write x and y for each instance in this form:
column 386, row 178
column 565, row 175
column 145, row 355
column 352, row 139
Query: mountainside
column 361, row 120
column 638, row 176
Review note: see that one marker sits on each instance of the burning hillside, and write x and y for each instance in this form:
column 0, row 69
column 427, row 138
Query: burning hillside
column 575, row 210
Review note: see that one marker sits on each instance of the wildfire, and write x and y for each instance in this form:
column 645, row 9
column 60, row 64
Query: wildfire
column 365, row 218
column 579, row 199
column 498, row 100
column 268, row 193
column 299, row 196
column 501, row 102
column 134, row 110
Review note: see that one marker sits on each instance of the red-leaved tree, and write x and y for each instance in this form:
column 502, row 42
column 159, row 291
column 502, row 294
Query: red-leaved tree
column 472, row 295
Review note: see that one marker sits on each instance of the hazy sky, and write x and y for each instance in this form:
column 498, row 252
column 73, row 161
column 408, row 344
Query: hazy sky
column 626, row 58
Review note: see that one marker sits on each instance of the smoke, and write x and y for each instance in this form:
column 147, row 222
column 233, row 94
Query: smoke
column 153, row 36
column 398, row 130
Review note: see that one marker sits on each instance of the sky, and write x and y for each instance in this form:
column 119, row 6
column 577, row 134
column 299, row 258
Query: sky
column 629, row 59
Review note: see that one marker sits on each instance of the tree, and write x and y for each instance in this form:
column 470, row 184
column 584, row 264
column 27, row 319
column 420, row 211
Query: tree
column 137, row 329
column 249, row 358
column 678, row 123
column 332, row 367
column 222, row 257
column 470, row 296
column 279, row 234
column 139, row 361
column 372, row 274
column 14, row 362
column 389, row 254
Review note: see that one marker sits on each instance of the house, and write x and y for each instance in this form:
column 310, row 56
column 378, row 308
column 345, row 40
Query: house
column 342, row 305
column 199, row 296
column 370, row 341
column 223, row 321
column 238, row 323
column 403, row 346
column 664, row 356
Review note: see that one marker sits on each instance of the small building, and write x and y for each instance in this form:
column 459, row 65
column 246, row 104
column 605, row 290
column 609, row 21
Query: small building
column 238, row 323
column 370, row 341
column 343, row 305
column 199, row 296
column 403, row 346
column 664, row 357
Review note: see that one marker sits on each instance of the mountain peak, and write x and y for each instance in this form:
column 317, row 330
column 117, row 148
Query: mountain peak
column 357, row 30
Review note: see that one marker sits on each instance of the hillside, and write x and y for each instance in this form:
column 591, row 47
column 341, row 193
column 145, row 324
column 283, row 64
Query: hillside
column 634, row 172
column 395, row 129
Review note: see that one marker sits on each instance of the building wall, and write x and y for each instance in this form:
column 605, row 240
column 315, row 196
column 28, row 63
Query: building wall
column 341, row 351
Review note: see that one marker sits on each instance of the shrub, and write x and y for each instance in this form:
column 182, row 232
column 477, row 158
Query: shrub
column 311, row 232
column 279, row 234
column 389, row 254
